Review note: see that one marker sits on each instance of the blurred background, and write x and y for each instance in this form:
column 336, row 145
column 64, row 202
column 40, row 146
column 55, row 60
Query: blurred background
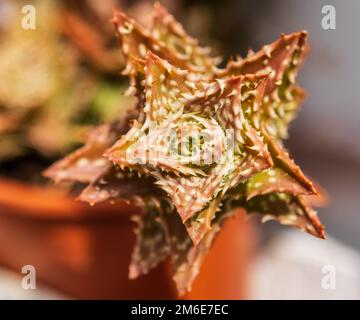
column 324, row 138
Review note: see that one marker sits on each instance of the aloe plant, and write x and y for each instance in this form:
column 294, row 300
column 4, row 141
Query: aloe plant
column 52, row 81
column 179, row 87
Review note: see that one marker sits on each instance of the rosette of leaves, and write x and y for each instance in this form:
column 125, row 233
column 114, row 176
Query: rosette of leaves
column 180, row 88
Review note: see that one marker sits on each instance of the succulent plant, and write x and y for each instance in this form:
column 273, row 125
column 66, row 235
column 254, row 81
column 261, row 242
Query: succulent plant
column 52, row 81
column 182, row 93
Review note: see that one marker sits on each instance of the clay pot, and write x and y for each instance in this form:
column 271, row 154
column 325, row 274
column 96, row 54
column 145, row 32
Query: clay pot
column 84, row 251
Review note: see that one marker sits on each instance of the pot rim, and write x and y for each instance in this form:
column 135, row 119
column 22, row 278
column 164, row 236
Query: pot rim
column 49, row 203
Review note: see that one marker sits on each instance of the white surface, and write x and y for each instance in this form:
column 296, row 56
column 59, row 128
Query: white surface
column 291, row 268
column 10, row 288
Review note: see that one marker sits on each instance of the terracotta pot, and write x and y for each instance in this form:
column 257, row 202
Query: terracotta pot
column 84, row 251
